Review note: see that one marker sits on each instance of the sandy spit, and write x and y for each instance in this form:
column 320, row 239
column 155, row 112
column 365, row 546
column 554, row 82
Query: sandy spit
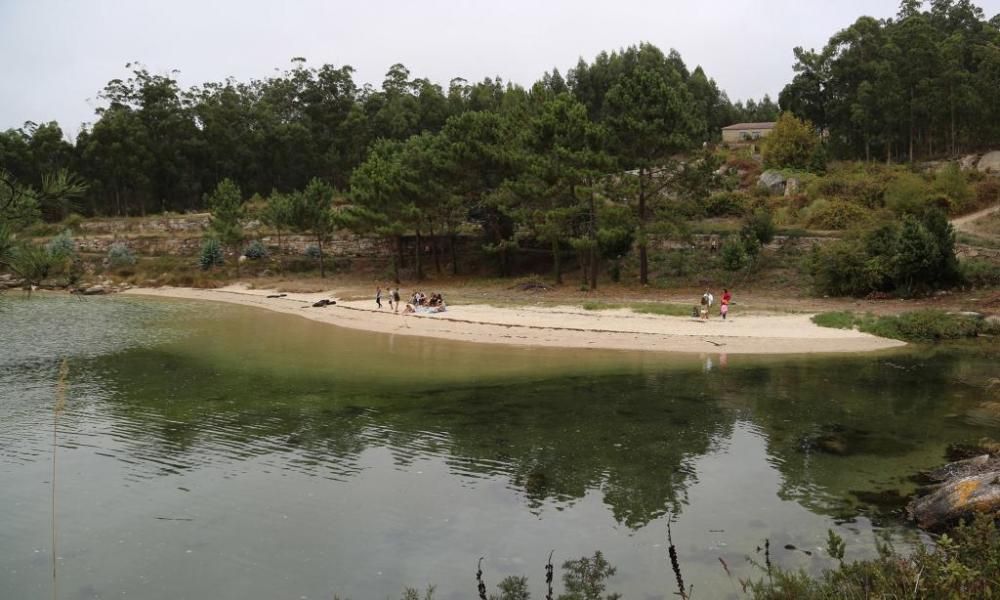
column 561, row 327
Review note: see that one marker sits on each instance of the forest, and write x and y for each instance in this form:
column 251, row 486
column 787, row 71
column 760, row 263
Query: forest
column 622, row 148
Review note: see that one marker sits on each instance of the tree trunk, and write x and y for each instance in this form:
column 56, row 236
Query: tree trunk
column 395, row 263
column 454, row 256
column 643, row 258
column 417, row 252
column 911, row 126
column 556, row 263
column 399, row 253
column 435, row 253
column 594, row 259
column 592, row 233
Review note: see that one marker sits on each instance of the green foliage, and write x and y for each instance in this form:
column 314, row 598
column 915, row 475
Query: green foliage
column 311, row 211
column 915, row 326
column 512, row 588
column 913, row 256
column 586, row 578
column 734, row 253
column 32, row 263
column 835, row 545
column 963, row 564
column 120, row 255
column 759, row 227
column 792, row 144
column 726, row 204
column 952, row 183
column 980, row 273
column 226, row 204
column 256, row 250
column 836, row 215
column 62, row 247
column 211, row 254
column 908, row 194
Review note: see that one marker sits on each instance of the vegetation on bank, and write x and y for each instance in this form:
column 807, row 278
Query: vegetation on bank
column 915, row 326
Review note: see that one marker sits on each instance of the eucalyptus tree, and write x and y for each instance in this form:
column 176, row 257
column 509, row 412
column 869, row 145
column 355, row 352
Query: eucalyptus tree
column 378, row 204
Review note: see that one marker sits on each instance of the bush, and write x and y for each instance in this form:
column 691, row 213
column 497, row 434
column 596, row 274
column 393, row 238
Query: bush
column 836, row 214
column 62, row 246
column 119, row 255
column 977, row 272
column 725, row 204
column 792, row 144
column 907, row 195
column 987, row 193
column 951, row 183
column 916, row 326
column 72, row 222
column 211, row 254
column 256, row 250
column 963, row 564
column 734, row 254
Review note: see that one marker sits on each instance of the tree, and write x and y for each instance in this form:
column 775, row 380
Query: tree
column 226, row 204
column 649, row 119
column 378, row 204
column 791, row 144
column 277, row 214
column 311, row 211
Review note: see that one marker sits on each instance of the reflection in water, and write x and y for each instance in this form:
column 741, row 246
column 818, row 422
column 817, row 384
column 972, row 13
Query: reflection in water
column 303, row 460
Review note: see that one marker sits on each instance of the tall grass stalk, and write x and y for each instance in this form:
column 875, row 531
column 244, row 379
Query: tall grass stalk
column 57, row 410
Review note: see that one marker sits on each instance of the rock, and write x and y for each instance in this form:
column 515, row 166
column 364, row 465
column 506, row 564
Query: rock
column 773, row 181
column 94, row 290
column 958, row 499
column 324, row 302
column 958, row 469
column 6, row 277
column 964, row 451
column 990, row 163
column 968, row 162
column 792, row 186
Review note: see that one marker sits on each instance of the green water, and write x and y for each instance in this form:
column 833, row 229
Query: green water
column 212, row 451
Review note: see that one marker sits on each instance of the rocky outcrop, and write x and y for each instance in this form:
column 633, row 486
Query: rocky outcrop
column 958, row 491
column 772, row 181
column 792, row 186
column 989, row 163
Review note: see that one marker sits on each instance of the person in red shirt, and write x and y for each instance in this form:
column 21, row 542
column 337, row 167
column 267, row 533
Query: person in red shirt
column 724, row 305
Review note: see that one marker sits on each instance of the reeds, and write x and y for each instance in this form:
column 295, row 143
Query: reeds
column 675, row 564
column 479, row 579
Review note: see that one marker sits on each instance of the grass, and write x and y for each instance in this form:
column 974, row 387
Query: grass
column 916, row 326
column 645, row 308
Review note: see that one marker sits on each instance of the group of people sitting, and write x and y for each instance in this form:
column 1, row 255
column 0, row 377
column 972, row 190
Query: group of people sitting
column 422, row 303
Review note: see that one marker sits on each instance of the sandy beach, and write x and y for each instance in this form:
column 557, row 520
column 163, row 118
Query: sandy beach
column 559, row 326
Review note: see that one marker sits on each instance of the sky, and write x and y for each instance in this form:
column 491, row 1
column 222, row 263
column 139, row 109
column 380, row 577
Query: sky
column 56, row 55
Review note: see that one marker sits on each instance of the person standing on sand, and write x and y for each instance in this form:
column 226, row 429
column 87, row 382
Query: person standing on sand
column 395, row 299
column 378, row 296
column 724, row 307
column 708, row 300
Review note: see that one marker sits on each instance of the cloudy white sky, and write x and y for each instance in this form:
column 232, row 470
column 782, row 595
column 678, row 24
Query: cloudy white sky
column 55, row 55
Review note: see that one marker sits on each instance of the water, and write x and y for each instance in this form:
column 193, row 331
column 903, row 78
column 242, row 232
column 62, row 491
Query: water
column 213, row 451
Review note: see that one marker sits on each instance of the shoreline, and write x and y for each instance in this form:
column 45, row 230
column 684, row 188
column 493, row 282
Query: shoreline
column 560, row 326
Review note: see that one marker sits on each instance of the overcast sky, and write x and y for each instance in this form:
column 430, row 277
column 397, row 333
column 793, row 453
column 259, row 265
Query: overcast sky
column 56, row 55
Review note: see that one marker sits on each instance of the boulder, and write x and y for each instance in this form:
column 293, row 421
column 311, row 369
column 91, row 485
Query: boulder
column 956, row 500
column 968, row 162
column 773, row 181
column 990, row 163
column 94, row 290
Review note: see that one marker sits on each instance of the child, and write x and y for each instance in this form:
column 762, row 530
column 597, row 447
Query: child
column 378, row 297
column 724, row 307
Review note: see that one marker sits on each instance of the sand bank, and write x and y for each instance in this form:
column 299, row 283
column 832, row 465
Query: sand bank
column 560, row 326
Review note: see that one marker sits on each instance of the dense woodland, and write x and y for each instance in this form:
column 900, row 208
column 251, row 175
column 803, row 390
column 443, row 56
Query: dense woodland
column 593, row 164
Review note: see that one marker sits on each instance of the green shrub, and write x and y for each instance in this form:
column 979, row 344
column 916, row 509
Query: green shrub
column 835, row 320
column 837, row 214
column 256, row 250
column 72, row 222
column 792, row 144
column 62, row 246
column 211, row 254
column 977, row 272
column 908, row 195
column 734, row 254
column 915, row 326
column 119, row 255
column 951, row 183
column 725, row 204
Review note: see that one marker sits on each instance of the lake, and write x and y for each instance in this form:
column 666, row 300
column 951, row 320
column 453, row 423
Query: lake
column 216, row 451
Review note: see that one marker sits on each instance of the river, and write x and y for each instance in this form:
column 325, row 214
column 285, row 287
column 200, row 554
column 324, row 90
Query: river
column 224, row 452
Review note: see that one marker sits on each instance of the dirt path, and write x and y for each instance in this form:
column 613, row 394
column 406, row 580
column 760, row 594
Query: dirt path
column 961, row 223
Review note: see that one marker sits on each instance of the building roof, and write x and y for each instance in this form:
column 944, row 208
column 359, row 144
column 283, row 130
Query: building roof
column 741, row 126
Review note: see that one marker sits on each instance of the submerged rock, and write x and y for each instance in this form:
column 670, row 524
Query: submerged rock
column 94, row 290
column 958, row 499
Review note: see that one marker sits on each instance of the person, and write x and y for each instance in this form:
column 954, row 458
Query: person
column 724, row 307
column 715, row 245
column 395, row 299
column 388, row 293
column 704, row 305
column 711, row 301
column 378, row 296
